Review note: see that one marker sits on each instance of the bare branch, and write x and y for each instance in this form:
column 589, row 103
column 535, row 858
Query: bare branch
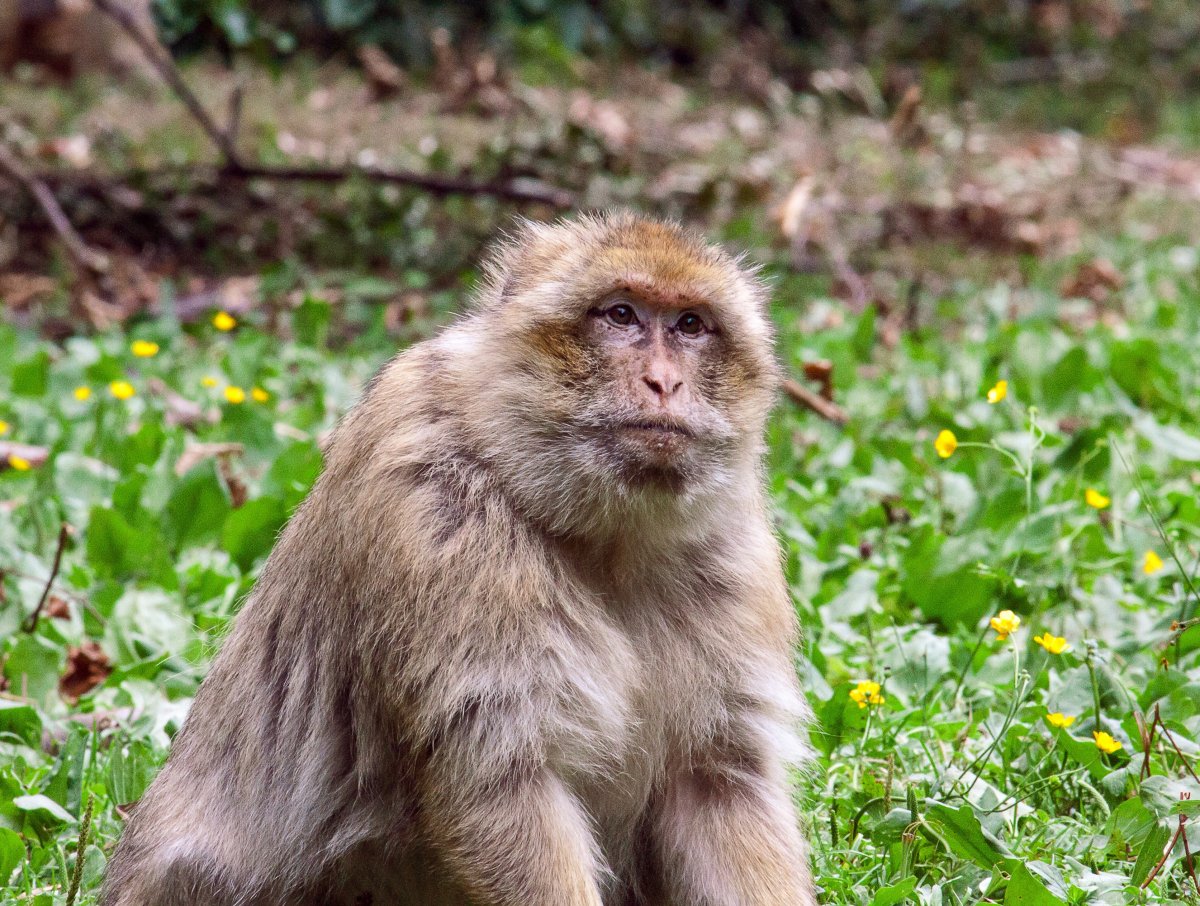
column 827, row 409
column 63, row 534
column 169, row 72
column 82, row 256
column 233, row 166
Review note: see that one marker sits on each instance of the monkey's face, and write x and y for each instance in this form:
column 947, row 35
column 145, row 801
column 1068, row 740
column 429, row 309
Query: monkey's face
column 625, row 361
column 651, row 411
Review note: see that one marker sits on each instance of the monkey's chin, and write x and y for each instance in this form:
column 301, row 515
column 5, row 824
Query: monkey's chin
column 658, row 458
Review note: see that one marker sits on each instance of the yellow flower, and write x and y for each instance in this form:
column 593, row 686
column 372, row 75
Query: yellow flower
column 82, row 393
column 223, row 320
column 1106, row 743
column 4, row 427
column 1005, row 623
column 1060, row 720
column 122, row 390
column 235, row 395
column 1152, row 563
column 260, row 395
column 144, row 349
column 208, row 381
column 866, row 693
column 998, row 392
column 945, row 444
column 1052, row 643
column 19, row 462
column 1095, row 499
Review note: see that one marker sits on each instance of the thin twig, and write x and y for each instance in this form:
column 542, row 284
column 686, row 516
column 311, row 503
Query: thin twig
column 82, row 256
column 170, row 74
column 825, row 408
column 234, row 166
column 32, row 621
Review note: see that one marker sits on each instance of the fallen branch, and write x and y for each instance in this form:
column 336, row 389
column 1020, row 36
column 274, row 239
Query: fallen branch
column 63, row 534
column 827, row 409
column 83, row 257
column 233, row 166
column 169, row 72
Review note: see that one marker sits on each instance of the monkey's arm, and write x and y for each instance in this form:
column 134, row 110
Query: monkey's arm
column 520, row 841
column 505, row 823
column 727, row 835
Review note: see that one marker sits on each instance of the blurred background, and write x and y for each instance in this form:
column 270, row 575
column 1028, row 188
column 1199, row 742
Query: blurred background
column 980, row 220
column 852, row 139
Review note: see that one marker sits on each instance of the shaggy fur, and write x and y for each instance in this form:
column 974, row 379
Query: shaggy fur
column 497, row 658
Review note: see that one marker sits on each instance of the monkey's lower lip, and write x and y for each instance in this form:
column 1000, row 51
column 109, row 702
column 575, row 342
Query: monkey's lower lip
column 657, row 428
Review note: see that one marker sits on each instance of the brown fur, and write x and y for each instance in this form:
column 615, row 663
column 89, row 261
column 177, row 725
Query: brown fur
column 493, row 659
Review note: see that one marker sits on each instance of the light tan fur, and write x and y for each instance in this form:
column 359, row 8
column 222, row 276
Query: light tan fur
column 499, row 657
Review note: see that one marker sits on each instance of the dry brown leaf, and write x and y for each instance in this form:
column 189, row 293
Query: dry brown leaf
column 58, row 608
column 87, row 667
column 383, row 75
column 18, row 291
column 180, row 409
column 1095, row 280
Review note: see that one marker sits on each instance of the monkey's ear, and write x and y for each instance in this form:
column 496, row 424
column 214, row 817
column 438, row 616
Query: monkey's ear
column 526, row 251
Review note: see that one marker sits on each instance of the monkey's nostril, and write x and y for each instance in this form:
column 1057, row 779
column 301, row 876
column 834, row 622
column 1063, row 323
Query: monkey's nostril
column 654, row 385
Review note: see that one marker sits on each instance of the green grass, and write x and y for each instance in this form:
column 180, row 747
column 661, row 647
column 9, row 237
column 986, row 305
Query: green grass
column 955, row 789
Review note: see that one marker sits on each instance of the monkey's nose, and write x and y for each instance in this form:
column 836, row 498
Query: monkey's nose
column 664, row 386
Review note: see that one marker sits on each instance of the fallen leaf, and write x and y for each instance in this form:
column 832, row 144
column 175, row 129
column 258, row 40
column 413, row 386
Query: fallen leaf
column 87, row 667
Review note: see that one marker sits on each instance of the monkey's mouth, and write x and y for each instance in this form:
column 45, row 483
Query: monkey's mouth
column 657, row 429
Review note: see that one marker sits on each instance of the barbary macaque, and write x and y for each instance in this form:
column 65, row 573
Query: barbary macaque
column 528, row 642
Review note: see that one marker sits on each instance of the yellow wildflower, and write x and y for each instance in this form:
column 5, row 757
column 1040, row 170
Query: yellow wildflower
column 1106, row 743
column 82, row 393
column 1152, row 563
column 1005, row 623
column 144, row 349
column 4, row 427
column 260, row 395
column 1060, row 720
column 866, row 693
column 1095, row 499
column 208, row 381
column 1052, row 643
column 122, row 390
column 20, row 463
column 945, row 444
column 998, row 392
column 223, row 320
column 235, row 395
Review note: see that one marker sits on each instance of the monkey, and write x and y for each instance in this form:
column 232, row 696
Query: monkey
column 528, row 641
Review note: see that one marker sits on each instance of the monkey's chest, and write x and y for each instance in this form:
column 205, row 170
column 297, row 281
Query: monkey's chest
column 672, row 699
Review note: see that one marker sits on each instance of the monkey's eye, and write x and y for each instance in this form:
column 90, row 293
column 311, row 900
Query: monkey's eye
column 690, row 325
column 622, row 315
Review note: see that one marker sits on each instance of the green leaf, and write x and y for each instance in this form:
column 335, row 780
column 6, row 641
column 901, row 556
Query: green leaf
column 961, row 830
column 31, row 376
column 12, row 854
column 33, row 665
column 197, row 508
column 43, row 807
column 20, row 720
column 250, row 530
column 1149, row 854
column 896, row 893
column 1024, row 889
column 130, row 771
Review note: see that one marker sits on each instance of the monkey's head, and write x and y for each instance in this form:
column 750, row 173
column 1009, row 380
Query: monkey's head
column 624, row 364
